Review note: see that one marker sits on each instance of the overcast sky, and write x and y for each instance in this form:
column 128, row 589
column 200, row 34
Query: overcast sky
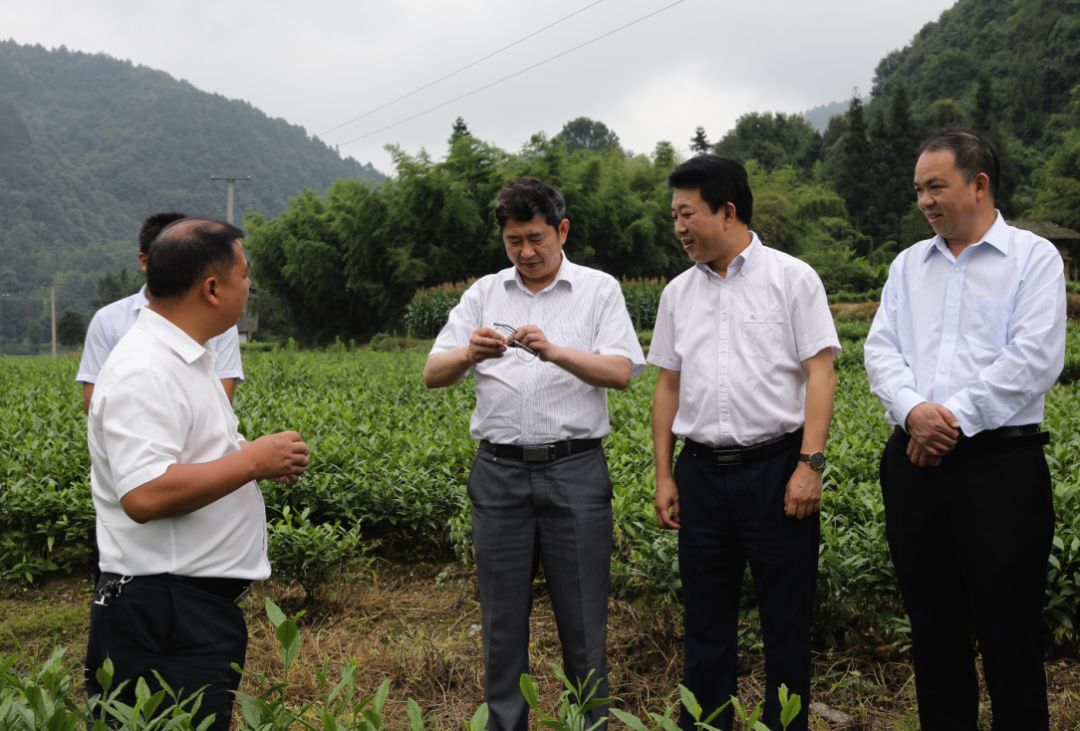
column 320, row 63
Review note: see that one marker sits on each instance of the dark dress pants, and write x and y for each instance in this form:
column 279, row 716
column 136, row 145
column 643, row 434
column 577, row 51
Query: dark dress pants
column 525, row 514
column 970, row 540
column 732, row 516
column 189, row 635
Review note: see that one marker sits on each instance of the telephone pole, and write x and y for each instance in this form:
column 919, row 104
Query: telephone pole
column 230, row 179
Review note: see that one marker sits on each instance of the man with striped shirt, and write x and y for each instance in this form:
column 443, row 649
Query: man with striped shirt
column 545, row 339
column 744, row 341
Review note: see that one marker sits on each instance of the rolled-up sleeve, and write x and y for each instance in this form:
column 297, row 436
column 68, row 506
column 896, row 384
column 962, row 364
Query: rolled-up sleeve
column 142, row 430
column 615, row 330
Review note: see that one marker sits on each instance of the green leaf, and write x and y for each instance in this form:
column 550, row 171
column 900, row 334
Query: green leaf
column 629, row 719
column 479, row 720
column 789, row 706
column 528, row 689
column 273, row 611
column 690, row 702
column 416, row 716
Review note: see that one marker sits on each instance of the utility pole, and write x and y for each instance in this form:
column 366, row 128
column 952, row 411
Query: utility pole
column 52, row 310
column 230, row 179
column 3, row 296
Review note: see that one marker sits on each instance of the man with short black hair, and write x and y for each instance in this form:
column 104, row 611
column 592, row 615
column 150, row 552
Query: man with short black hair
column 181, row 526
column 539, row 484
column 113, row 320
column 744, row 341
column 969, row 337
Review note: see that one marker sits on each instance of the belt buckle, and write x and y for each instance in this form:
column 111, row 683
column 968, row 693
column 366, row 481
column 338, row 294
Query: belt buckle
column 538, row 452
column 727, row 459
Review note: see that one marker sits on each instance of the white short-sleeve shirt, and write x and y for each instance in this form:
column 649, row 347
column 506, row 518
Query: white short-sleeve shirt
column 738, row 343
column 158, row 402
column 536, row 402
column 112, row 321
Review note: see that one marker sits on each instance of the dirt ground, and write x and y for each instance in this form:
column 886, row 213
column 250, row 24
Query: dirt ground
column 417, row 625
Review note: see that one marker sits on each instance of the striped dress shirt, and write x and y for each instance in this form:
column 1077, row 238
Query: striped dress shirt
column 738, row 343
column 519, row 402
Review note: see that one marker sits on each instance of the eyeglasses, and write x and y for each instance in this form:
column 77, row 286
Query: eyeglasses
column 522, row 351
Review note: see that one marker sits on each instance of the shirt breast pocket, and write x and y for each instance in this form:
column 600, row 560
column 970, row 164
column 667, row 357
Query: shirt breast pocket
column 989, row 324
column 764, row 334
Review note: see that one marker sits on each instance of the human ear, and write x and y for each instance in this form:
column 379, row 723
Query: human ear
column 209, row 290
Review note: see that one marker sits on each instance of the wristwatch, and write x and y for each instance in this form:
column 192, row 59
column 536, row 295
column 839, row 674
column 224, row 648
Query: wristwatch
column 816, row 460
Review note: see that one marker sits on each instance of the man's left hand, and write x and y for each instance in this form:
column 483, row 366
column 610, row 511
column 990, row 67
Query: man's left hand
column 533, row 336
column 803, row 495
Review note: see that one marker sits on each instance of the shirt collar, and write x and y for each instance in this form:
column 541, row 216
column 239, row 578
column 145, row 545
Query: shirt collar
column 996, row 236
column 140, row 299
column 567, row 272
column 742, row 263
column 170, row 335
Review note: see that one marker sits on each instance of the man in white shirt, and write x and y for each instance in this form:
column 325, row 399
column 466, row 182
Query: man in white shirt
column 745, row 342
column 969, row 337
column 539, row 484
column 113, row 320
column 181, row 526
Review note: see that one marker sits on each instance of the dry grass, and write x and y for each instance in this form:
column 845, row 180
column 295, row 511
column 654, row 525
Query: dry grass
column 417, row 625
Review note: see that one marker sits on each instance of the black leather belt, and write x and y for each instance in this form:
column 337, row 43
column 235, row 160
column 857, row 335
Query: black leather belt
column 232, row 589
column 539, row 452
column 1023, row 435
column 742, row 455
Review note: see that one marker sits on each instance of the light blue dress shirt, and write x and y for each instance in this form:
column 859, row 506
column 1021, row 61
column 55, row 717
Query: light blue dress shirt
column 982, row 333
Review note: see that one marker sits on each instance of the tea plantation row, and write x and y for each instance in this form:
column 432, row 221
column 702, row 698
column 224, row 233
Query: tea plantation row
column 390, row 460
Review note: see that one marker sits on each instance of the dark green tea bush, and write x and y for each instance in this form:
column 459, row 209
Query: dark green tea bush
column 642, row 298
column 426, row 312
column 390, row 460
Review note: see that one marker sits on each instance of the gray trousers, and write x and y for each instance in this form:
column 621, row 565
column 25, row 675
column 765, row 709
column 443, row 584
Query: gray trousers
column 526, row 514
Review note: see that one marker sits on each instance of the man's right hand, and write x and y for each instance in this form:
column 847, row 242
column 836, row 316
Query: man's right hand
column 934, row 430
column 667, row 503
column 281, row 457
column 485, row 343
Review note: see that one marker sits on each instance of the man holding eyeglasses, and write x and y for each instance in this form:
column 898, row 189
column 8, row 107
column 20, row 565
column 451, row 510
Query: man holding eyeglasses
column 539, row 484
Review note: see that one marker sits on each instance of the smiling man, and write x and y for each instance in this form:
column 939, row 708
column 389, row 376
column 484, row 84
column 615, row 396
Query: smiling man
column 969, row 337
column 744, row 341
column 545, row 339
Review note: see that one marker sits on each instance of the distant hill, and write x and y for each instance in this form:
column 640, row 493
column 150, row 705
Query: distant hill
column 819, row 116
column 89, row 145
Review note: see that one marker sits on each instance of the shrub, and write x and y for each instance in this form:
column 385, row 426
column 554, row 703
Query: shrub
column 309, row 553
column 426, row 313
column 642, row 298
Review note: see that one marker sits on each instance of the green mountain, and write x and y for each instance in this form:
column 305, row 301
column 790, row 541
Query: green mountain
column 1004, row 66
column 90, row 145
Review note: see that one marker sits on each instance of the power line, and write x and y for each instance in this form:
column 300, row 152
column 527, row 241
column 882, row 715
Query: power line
column 510, row 76
column 463, row 68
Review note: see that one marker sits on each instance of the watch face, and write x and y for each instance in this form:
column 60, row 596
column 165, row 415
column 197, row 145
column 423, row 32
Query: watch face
column 817, row 460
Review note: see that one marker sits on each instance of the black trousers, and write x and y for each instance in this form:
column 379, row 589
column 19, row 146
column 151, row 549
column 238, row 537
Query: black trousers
column 732, row 516
column 187, row 634
column 970, row 540
column 525, row 514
